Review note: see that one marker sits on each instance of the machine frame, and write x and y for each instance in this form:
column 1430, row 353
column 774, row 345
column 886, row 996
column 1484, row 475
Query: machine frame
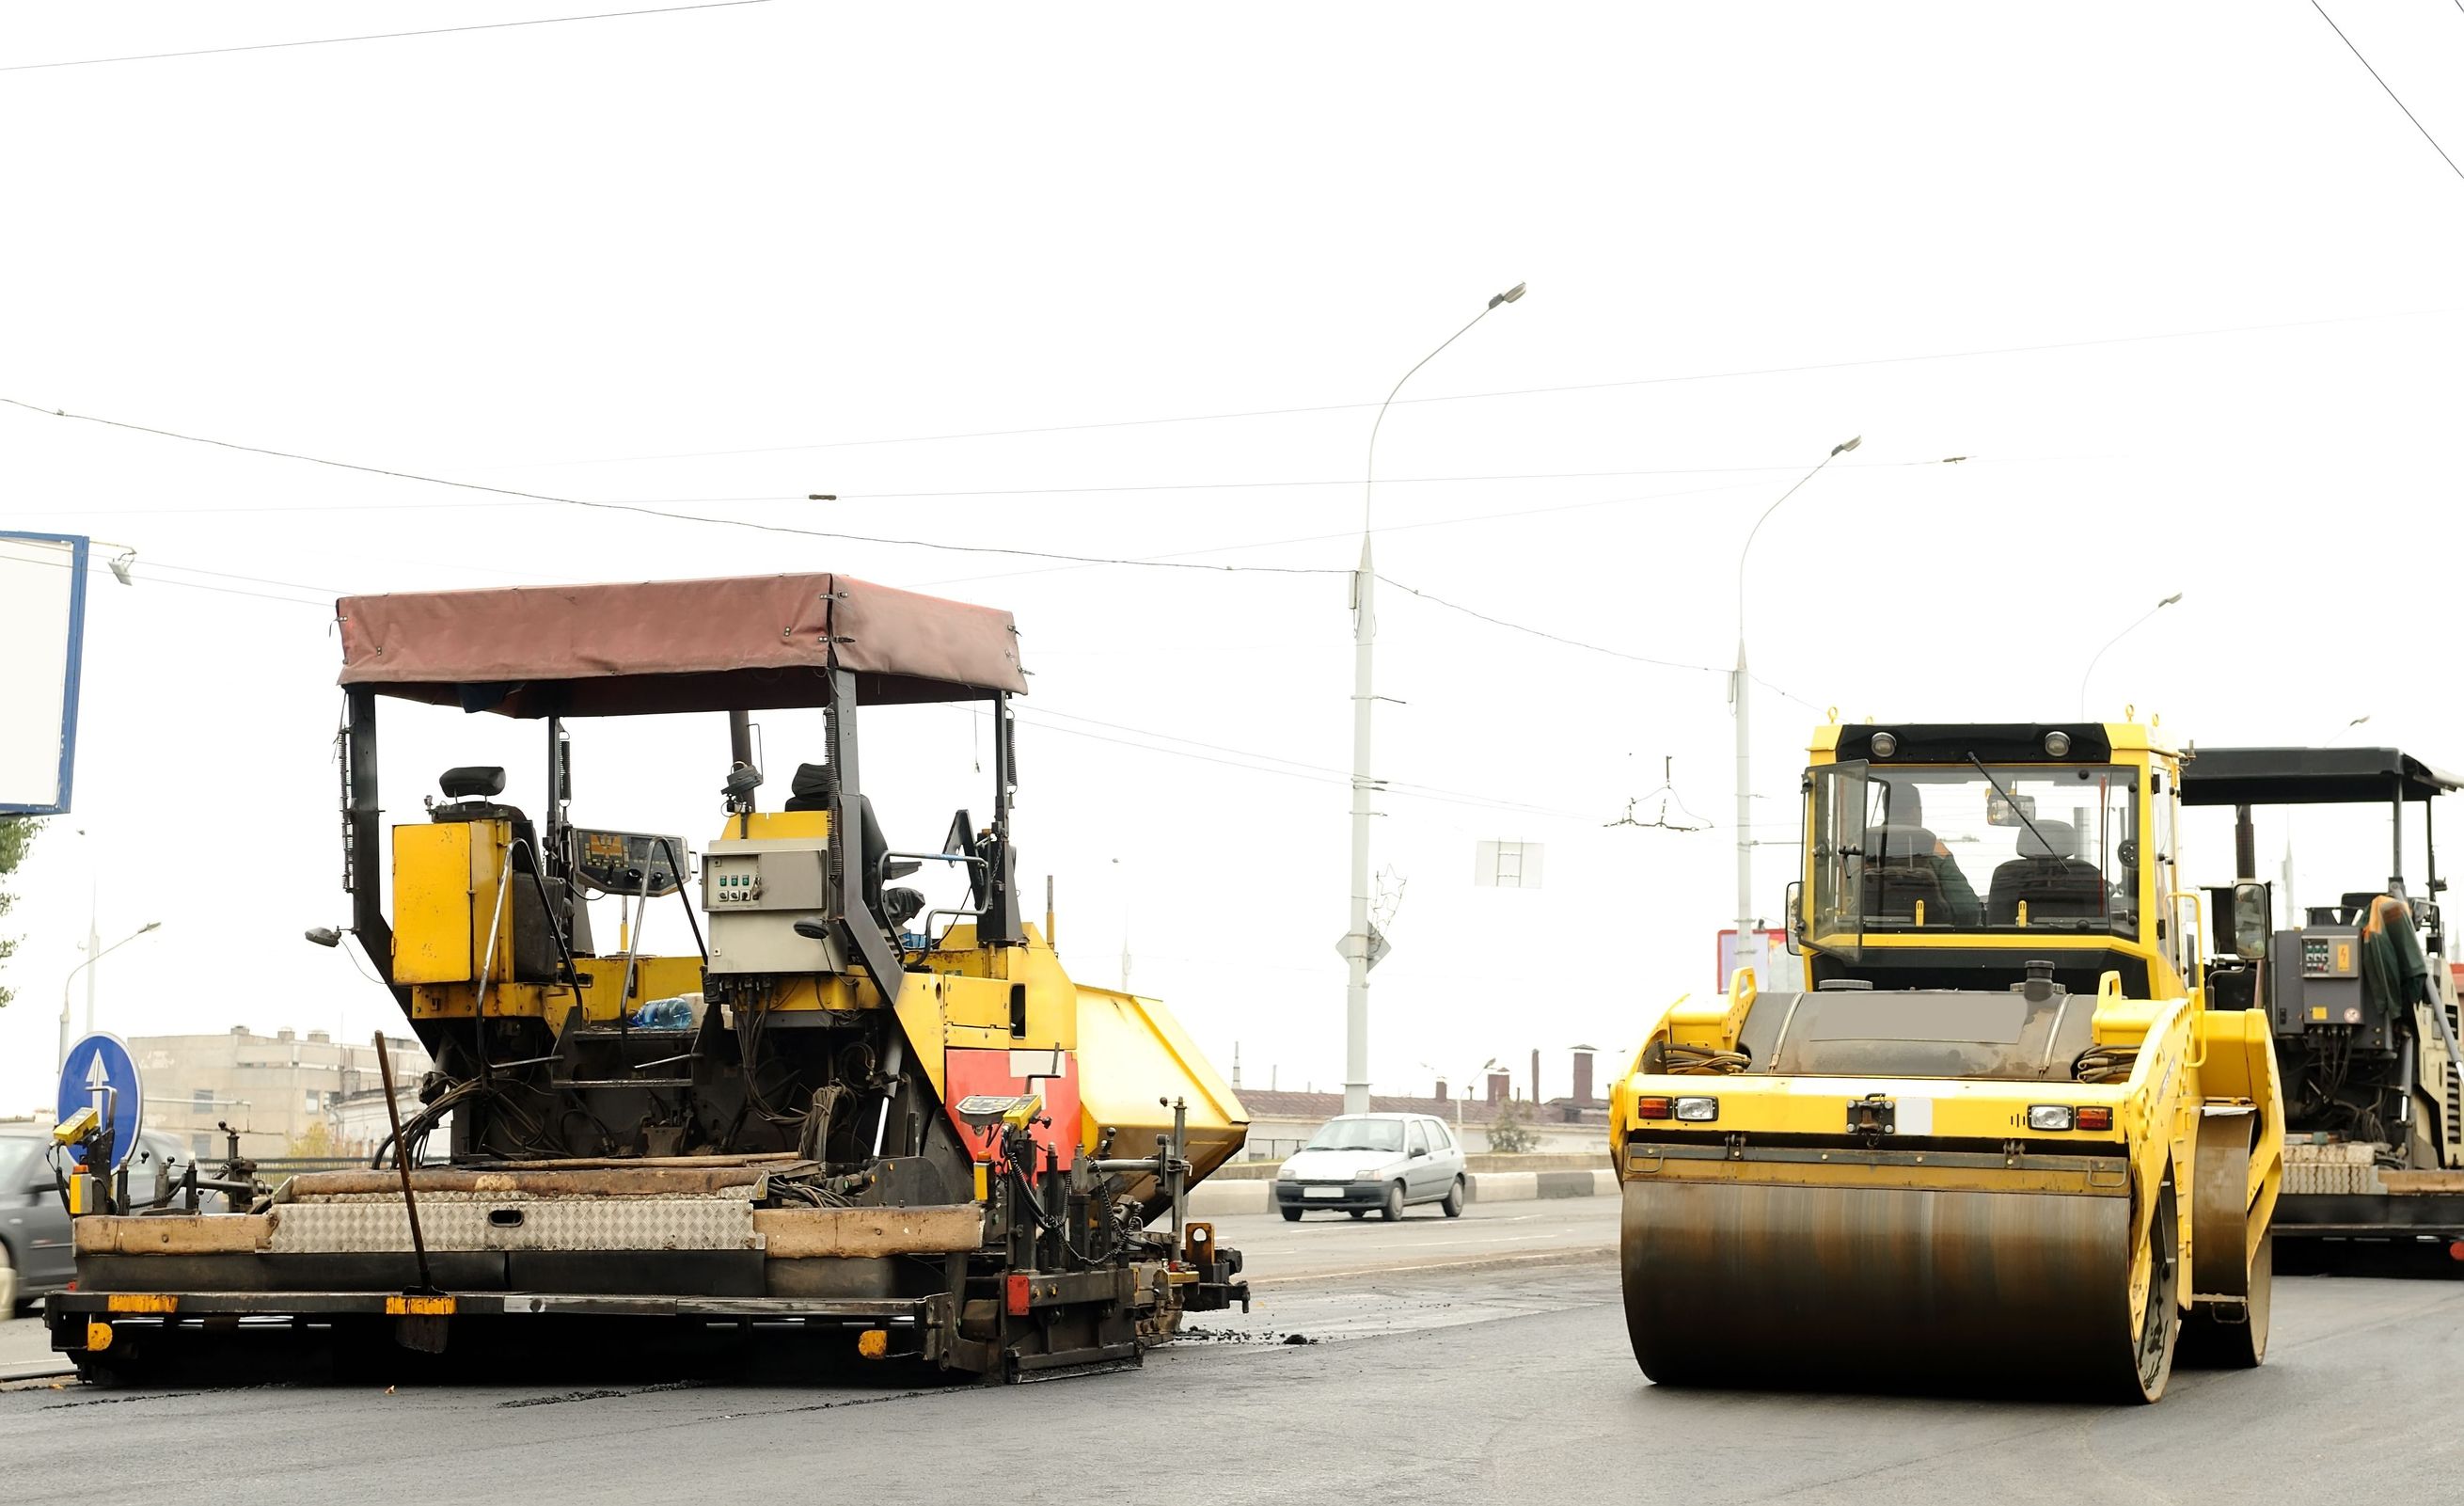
column 928, row 1167
column 2403, row 1190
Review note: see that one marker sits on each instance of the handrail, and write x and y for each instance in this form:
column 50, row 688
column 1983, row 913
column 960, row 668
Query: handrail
column 2198, row 979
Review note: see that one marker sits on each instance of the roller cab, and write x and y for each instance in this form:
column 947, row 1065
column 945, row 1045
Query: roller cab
column 1999, row 1139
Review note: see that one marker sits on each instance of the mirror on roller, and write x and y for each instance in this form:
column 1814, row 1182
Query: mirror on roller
column 2251, row 920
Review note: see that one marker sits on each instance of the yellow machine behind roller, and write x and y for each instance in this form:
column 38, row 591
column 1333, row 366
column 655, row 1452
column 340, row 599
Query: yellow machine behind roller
column 2002, row 1138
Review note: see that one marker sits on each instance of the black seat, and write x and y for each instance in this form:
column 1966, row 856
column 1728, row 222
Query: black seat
column 1899, row 874
column 2049, row 876
column 813, row 787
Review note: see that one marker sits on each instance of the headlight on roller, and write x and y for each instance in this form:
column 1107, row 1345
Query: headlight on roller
column 2049, row 1115
column 1698, row 1111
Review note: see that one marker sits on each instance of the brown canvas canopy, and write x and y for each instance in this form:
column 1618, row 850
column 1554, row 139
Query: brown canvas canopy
column 750, row 642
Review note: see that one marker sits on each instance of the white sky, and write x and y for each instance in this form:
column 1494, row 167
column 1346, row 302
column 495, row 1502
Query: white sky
column 582, row 258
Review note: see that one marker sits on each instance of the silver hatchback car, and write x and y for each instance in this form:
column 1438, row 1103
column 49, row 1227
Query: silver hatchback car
column 1381, row 1162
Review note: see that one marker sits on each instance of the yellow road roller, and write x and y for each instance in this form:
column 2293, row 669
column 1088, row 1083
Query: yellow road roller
column 2002, row 1138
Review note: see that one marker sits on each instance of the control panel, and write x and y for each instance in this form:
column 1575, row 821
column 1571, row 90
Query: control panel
column 629, row 863
column 732, row 882
column 2317, row 986
column 2330, row 954
column 755, row 889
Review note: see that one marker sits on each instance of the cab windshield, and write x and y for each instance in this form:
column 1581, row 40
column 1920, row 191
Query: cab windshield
column 1359, row 1135
column 1939, row 847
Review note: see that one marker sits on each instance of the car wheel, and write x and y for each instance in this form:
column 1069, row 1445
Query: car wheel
column 1393, row 1208
column 1291, row 1215
column 1454, row 1203
column 7, row 1285
column 1357, row 1212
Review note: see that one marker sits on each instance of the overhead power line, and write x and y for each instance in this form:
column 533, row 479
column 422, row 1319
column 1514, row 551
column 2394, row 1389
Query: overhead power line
column 376, row 36
column 1594, row 647
column 99, row 566
column 673, row 517
column 775, row 498
column 2390, row 91
column 1309, row 773
column 1470, row 397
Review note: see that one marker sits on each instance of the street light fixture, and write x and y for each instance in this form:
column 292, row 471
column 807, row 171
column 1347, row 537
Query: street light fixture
column 1355, row 944
column 71, row 978
column 2117, row 638
column 1740, row 692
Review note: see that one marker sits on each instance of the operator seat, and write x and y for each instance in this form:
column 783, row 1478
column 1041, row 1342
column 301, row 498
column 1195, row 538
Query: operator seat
column 547, row 920
column 2048, row 875
column 814, row 787
column 1899, row 872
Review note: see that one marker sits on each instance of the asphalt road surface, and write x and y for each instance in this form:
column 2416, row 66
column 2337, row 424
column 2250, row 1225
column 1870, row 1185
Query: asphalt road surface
column 1482, row 1359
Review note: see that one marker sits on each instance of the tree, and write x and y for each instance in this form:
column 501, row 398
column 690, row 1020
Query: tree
column 1510, row 1133
column 315, row 1142
column 16, row 835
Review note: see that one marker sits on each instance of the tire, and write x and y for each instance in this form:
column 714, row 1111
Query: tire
column 1357, row 1212
column 1292, row 1215
column 2240, row 1344
column 1453, row 1205
column 2230, row 1331
column 1393, row 1208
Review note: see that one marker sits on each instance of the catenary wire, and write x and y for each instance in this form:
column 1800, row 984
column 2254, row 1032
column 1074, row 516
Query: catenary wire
column 2390, row 91
column 97, row 566
column 677, row 517
column 376, row 36
column 544, row 501
column 1595, row 648
column 1398, row 788
column 1337, row 775
column 1467, row 397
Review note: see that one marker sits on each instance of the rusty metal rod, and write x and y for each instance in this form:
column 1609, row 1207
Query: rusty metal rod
column 409, row 1204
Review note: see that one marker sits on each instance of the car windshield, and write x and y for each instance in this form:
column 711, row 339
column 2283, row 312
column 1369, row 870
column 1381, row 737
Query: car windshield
column 2054, row 849
column 1359, row 1135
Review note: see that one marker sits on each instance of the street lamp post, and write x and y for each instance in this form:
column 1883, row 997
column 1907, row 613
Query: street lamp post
column 1740, row 694
column 1364, row 639
column 67, row 982
column 2117, row 638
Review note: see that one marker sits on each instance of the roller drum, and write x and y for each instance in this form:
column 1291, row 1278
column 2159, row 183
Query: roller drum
column 1732, row 1283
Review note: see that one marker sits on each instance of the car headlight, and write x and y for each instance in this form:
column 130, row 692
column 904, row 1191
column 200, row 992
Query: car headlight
column 1287, row 1173
column 1372, row 1174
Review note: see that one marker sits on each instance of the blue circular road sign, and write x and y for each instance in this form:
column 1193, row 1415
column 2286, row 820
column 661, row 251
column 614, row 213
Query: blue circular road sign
column 100, row 1074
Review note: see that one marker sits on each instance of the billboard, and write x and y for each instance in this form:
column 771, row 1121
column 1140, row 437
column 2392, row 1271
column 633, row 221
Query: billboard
column 42, row 638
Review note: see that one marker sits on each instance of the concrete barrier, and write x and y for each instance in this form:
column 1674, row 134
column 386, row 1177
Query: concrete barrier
column 1215, row 1198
